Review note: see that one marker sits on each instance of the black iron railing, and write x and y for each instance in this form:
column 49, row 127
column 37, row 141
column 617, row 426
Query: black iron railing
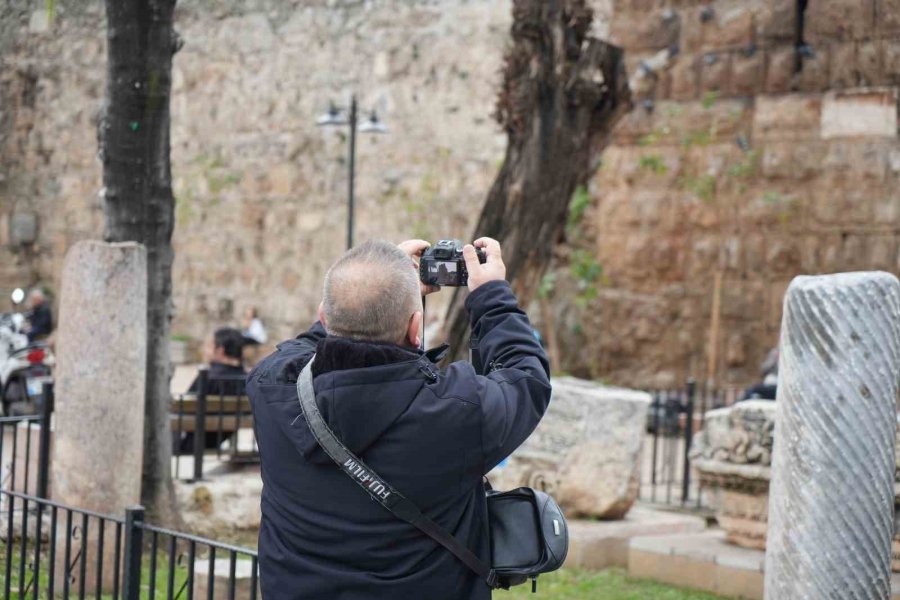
column 50, row 549
column 674, row 417
column 53, row 549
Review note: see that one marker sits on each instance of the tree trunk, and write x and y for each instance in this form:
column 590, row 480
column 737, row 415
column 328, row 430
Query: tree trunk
column 139, row 206
column 562, row 93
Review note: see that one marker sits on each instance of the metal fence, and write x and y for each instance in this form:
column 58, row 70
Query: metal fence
column 213, row 422
column 25, row 448
column 50, row 550
column 674, row 417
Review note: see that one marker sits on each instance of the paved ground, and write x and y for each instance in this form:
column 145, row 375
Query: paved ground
column 704, row 561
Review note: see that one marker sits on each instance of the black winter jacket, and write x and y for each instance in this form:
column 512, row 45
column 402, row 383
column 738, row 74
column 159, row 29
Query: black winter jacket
column 431, row 433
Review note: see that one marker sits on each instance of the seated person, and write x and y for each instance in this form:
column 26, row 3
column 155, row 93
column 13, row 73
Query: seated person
column 224, row 355
column 226, row 372
column 40, row 319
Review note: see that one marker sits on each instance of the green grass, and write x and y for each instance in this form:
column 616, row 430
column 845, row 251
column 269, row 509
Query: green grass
column 613, row 584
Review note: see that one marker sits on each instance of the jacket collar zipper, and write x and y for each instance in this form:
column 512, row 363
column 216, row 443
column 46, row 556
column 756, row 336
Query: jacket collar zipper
column 431, row 375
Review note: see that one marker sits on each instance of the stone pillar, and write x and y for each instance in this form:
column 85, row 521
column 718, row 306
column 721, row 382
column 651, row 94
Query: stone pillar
column 99, row 414
column 831, row 503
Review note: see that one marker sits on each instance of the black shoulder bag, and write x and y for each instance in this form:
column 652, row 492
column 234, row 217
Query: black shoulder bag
column 528, row 532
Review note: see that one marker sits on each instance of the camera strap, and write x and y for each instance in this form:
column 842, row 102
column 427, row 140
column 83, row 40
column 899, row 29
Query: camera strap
column 378, row 488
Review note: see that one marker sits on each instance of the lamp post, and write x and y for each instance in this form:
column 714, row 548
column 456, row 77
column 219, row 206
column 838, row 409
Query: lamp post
column 335, row 117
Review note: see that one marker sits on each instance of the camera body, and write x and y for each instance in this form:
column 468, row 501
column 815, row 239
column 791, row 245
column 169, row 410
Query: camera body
column 443, row 264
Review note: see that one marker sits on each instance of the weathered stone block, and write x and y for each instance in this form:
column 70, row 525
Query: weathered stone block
column 787, row 117
column 836, row 200
column 586, row 451
column 863, row 112
column 730, row 28
column 747, row 73
column 839, row 19
column 887, row 17
column 685, row 76
column 887, row 209
column 691, row 39
column 791, row 160
column 882, row 250
column 776, row 21
column 868, row 63
column 890, row 56
column 780, row 207
column 780, row 71
column 715, row 71
column 813, row 76
column 863, row 160
column 843, row 71
column 97, row 429
column 655, row 29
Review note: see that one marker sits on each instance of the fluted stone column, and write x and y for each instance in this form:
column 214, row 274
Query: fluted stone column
column 99, row 413
column 831, row 501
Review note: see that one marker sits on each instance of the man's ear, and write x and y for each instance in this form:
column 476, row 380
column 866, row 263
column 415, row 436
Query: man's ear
column 414, row 331
column 322, row 314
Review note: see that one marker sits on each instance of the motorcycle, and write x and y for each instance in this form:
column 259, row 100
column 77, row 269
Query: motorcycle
column 24, row 366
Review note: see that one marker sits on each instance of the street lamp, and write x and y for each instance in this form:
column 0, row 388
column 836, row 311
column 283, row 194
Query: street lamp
column 336, row 117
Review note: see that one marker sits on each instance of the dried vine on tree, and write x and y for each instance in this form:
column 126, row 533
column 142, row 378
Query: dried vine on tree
column 133, row 133
column 562, row 93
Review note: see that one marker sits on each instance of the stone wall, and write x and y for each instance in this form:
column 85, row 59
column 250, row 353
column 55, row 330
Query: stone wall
column 261, row 191
column 738, row 163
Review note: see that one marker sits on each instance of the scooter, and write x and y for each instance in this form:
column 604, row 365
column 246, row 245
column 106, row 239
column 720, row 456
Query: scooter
column 24, row 366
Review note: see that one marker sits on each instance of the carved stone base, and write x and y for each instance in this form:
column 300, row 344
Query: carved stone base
column 744, row 517
column 742, row 500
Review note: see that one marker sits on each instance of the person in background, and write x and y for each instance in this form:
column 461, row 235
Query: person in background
column 222, row 352
column 768, row 387
column 254, row 330
column 40, row 319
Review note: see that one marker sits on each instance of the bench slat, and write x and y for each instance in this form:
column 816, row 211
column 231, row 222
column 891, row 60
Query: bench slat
column 230, row 423
column 187, row 405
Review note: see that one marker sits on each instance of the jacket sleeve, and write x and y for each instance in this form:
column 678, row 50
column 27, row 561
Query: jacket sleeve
column 513, row 370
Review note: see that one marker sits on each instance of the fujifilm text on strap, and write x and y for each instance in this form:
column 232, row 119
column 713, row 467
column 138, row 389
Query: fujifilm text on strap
column 372, row 484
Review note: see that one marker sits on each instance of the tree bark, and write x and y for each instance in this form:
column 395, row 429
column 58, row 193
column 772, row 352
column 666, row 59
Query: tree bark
column 133, row 133
column 562, row 93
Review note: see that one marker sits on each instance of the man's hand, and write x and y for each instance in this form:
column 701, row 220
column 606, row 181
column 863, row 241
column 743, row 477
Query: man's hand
column 492, row 270
column 414, row 249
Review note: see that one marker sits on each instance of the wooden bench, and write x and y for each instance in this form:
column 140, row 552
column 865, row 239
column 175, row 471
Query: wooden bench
column 223, row 413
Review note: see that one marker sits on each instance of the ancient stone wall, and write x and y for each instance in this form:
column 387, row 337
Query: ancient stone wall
column 261, row 191
column 764, row 148
column 757, row 156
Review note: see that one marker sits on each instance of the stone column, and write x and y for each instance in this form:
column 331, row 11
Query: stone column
column 100, row 374
column 831, row 503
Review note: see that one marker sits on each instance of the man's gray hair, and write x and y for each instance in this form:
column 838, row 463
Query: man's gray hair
column 371, row 292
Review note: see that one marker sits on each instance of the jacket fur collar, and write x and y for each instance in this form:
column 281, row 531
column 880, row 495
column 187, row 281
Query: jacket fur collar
column 338, row 354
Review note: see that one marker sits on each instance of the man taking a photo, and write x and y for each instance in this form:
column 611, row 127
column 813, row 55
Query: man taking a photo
column 432, row 434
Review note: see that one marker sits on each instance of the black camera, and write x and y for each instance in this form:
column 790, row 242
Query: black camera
column 443, row 264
